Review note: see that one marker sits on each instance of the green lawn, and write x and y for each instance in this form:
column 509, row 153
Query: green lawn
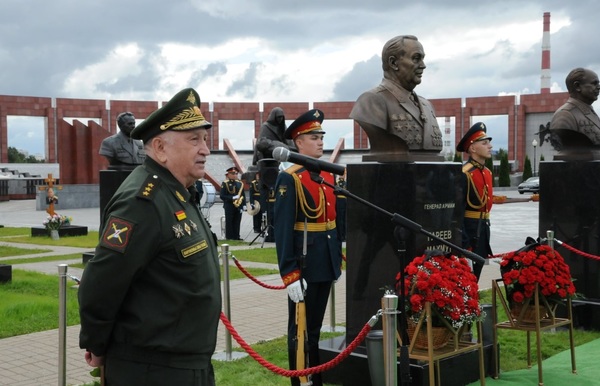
column 30, row 303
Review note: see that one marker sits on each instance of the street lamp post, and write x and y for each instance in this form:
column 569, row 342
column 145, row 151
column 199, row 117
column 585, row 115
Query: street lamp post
column 534, row 143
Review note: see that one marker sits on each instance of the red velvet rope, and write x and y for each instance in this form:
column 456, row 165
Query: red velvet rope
column 296, row 373
column 249, row 276
column 572, row 249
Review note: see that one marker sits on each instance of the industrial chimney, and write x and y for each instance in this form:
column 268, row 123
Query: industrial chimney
column 545, row 83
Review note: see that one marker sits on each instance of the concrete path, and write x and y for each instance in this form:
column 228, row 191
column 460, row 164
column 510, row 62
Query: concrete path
column 257, row 313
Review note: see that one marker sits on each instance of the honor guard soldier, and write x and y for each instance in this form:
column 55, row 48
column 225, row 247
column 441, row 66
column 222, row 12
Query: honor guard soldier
column 478, row 193
column 234, row 202
column 150, row 298
column 255, row 196
column 309, row 250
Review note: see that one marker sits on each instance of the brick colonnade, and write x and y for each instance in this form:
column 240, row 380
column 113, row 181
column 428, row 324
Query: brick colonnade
column 76, row 146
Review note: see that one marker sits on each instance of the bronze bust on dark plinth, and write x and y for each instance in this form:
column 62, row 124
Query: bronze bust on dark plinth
column 575, row 126
column 123, row 152
column 401, row 125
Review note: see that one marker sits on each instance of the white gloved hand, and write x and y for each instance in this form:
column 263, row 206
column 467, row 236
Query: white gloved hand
column 236, row 196
column 295, row 291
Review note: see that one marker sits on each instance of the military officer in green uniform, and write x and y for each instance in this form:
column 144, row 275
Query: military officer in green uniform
column 150, row 297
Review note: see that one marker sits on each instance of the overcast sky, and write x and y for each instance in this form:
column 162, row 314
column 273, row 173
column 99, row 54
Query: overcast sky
column 283, row 50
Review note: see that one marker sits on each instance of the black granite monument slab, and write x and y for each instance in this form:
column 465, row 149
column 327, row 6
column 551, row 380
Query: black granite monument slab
column 457, row 370
column 425, row 193
column 5, row 273
column 65, row 230
column 570, row 206
column 110, row 180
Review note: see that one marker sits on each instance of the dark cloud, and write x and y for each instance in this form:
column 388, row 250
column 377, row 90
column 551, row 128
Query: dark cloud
column 362, row 77
column 246, row 86
column 213, row 70
column 43, row 43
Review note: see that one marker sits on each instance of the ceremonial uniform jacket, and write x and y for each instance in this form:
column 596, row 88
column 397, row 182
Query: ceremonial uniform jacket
column 579, row 117
column 478, row 191
column 230, row 189
column 389, row 106
column 152, row 292
column 299, row 198
column 255, row 192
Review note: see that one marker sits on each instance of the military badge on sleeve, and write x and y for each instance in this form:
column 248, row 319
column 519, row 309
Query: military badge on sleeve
column 116, row 234
column 282, row 191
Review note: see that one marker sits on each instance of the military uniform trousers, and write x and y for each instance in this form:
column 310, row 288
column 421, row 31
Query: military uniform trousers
column 122, row 372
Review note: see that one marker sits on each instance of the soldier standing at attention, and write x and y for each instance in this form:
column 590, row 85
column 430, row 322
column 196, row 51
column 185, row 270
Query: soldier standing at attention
column 234, row 202
column 256, row 196
column 309, row 250
column 478, row 192
column 150, row 298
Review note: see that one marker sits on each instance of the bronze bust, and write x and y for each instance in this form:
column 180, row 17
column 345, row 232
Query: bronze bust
column 120, row 149
column 575, row 126
column 401, row 125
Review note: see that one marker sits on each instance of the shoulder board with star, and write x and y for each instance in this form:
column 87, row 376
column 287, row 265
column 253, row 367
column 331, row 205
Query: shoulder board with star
column 149, row 187
column 293, row 169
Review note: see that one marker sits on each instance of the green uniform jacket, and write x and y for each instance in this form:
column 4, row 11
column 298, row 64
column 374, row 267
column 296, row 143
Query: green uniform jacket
column 151, row 293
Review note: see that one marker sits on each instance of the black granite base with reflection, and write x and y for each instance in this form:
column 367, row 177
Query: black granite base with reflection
column 110, row 180
column 65, row 230
column 458, row 370
column 425, row 193
column 570, row 206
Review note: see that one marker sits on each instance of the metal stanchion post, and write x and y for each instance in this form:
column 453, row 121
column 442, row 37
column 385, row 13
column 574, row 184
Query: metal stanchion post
column 550, row 237
column 390, row 311
column 228, row 355
column 62, row 324
column 332, row 327
column 223, row 226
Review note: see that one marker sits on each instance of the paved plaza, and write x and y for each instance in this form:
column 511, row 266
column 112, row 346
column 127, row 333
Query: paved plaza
column 257, row 313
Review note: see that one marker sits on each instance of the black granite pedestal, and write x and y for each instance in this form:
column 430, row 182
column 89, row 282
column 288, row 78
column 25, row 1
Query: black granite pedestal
column 65, row 230
column 425, row 193
column 110, row 180
column 5, row 273
column 458, row 370
column 570, row 206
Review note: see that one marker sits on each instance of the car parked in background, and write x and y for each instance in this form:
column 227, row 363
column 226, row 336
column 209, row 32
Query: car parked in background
column 532, row 185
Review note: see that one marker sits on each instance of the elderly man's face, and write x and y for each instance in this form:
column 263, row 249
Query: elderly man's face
column 185, row 154
column 408, row 69
column 589, row 87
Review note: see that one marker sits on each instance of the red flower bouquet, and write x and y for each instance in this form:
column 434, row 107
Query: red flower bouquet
column 448, row 283
column 536, row 264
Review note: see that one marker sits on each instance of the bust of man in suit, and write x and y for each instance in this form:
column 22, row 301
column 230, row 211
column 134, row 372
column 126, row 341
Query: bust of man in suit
column 575, row 125
column 121, row 149
column 400, row 124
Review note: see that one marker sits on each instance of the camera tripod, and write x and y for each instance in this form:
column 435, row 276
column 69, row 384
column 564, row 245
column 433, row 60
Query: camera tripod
column 264, row 230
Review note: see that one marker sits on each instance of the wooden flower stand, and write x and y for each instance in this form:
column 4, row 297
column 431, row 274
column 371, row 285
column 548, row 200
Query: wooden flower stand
column 543, row 318
column 454, row 347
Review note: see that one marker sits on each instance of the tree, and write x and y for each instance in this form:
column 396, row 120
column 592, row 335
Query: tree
column 457, row 157
column 504, row 177
column 16, row 157
column 527, row 169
